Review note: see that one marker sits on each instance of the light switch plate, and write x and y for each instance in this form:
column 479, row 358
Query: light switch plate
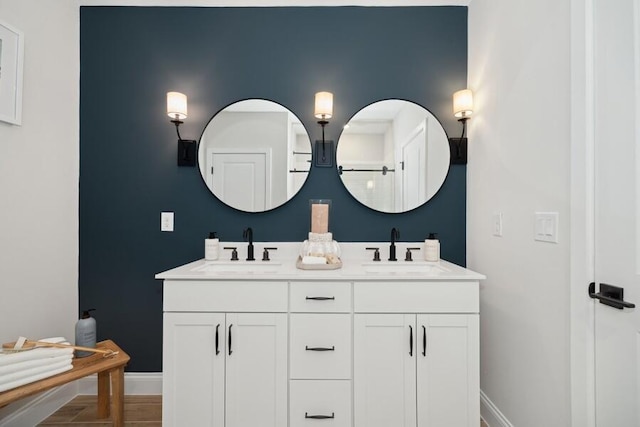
column 546, row 227
column 497, row 224
column 166, row 221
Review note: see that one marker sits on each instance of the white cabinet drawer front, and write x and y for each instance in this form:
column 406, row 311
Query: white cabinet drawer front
column 320, row 403
column 416, row 297
column 225, row 296
column 320, row 346
column 321, row 297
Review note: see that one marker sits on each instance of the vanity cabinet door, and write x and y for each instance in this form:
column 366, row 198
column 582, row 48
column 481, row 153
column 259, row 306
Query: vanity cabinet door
column 193, row 369
column 385, row 370
column 256, row 363
column 448, row 370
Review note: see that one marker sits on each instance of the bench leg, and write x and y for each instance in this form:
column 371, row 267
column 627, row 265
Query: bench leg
column 117, row 386
column 104, row 399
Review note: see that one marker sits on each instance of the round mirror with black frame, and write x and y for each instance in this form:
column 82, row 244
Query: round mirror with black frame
column 254, row 155
column 393, row 155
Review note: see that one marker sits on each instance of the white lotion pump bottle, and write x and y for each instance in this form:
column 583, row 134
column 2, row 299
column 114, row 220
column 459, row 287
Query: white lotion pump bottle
column 432, row 248
column 86, row 333
column 211, row 247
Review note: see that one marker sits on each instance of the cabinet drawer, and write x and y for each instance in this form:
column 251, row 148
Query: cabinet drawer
column 321, row 297
column 229, row 296
column 310, row 401
column 320, row 346
column 416, row 297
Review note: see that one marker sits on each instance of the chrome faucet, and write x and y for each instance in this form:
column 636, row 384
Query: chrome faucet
column 247, row 234
column 395, row 234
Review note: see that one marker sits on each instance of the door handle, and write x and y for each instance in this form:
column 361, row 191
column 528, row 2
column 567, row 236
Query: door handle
column 217, row 333
column 424, row 341
column 610, row 295
column 410, row 340
column 230, row 339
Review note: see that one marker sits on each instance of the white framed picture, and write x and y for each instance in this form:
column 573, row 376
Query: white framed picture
column 11, row 62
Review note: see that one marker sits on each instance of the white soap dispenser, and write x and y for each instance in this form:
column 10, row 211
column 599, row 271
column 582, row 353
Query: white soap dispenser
column 211, row 247
column 432, row 248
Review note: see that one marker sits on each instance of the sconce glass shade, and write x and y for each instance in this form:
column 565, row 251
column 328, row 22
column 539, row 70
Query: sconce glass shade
column 177, row 105
column 463, row 103
column 324, row 105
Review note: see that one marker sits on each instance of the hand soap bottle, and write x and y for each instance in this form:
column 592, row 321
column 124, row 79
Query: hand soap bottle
column 86, row 333
column 432, row 248
column 211, row 247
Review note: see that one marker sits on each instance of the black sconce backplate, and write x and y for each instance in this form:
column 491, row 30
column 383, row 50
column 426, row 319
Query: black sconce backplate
column 186, row 152
column 458, row 150
column 323, row 154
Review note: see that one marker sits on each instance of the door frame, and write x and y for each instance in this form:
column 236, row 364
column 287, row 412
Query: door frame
column 582, row 214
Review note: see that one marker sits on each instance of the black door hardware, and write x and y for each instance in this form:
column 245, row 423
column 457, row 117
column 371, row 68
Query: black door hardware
column 410, row 340
column 230, row 339
column 320, row 417
column 424, row 341
column 610, row 295
column 217, row 330
column 320, row 298
column 332, row 348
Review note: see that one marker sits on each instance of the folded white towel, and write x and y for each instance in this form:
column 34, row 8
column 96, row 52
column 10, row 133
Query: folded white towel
column 29, row 364
column 314, row 260
column 27, row 380
column 26, row 373
column 9, row 357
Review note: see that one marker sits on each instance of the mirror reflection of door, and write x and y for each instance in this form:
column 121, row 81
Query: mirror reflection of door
column 241, row 179
column 231, row 143
column 393, row 156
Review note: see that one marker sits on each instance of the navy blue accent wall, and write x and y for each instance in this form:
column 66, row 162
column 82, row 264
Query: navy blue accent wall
column 130, row 58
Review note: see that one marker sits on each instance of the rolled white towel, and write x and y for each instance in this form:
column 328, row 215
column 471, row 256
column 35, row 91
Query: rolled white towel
column 314, row 260
column 28, row 373
column 35, row 363
column 27, row 380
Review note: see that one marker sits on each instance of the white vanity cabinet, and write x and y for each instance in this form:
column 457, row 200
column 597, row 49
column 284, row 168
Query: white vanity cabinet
column 413, row 369
column 225, row 369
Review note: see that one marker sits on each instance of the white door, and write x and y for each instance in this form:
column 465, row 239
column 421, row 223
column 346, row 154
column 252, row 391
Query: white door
column 385, row 370
column 414, row 169
column 617, row 209
column 241, row 180
column 256, row 389
column 193, row 362
column 448, row 370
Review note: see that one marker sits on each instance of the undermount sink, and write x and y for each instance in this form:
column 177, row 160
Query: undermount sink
column 404, row 267
column 246, row 267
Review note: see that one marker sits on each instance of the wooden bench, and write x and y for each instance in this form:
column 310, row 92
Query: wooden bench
column 110, row 372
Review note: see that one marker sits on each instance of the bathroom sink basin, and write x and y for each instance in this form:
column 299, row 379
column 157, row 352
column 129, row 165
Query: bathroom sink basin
column 239, row 267
column 403, row 267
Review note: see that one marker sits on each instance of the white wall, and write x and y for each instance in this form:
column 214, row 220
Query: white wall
column 39, row 177
column 519, row 163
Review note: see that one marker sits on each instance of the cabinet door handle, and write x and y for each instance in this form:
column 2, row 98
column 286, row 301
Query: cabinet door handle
column 320, row 417
column 424, row 341
column 410, row 340
column 320, row 298
column 217, row 333
column 230, row 339
column 332, row 348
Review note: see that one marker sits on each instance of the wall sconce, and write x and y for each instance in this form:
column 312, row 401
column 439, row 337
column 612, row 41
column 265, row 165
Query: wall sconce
column 463, row 109
column 323, row 153
column 177, row 110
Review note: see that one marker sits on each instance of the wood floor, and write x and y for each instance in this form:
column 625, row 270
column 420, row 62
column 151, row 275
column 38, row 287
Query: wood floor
column 139, row 411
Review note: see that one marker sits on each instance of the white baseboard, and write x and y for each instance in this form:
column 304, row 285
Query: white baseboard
column 31, row 411
column 135, row 383
column 491, row 414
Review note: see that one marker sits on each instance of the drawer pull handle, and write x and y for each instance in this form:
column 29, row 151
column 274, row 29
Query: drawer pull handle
column 333, row 348
column 320, row 417
column 424, row 341
column 410, row 340
column 321, row 298
column 217, row 332
column 230, row 339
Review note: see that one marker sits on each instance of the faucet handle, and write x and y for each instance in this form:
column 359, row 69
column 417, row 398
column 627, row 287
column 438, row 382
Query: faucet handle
column 408, row 255
column 265, row 253
column 234, row 252
column 376, row 254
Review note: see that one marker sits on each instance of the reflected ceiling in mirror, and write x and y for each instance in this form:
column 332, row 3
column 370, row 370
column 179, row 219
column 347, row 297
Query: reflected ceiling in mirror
column 254, row 155
column 393, row 156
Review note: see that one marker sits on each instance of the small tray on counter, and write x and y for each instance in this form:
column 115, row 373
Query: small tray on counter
column 302, row 266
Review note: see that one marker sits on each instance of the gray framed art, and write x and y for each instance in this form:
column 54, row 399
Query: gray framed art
column 11, row 63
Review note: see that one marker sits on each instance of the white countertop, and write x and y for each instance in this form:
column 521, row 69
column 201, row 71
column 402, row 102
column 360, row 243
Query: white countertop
column 357, row 264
